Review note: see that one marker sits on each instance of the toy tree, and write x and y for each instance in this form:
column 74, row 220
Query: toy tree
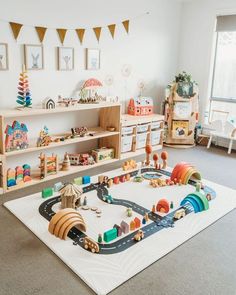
column 155, row 159
column 148, row 150
column 24, row 96
column 164, row 156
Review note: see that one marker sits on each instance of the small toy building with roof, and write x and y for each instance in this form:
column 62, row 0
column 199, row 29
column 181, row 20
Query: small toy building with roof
column 140, row 106
column 70, row 196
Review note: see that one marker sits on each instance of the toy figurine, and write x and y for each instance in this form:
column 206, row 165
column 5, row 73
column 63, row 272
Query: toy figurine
column 99, row 238
column 146, row 217
column 66, row 163
column 171, row 205
column 164, row 157
column 153, row 209
column 148, row 150
column 144, row 220
column 44, row 138
column 129, row 212
column 85, row 201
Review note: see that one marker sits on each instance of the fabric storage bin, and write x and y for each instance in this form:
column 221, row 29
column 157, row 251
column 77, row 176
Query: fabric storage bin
column 142, row 128
column 126, row 143
column 127, row 130
column 155, row 137
column 156, row 125
column 141, row 140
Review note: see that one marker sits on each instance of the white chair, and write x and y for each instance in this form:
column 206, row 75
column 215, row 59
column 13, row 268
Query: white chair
column 226, row 131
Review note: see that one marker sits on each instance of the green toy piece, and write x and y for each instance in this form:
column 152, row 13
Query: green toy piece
column 110, row 235
column 78, row 180
column 99, row 238
column 47, row 192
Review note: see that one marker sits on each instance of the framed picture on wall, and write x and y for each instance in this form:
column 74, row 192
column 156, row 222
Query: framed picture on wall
column 3, row 57
column 65, row 58
column 92, row 59
column 33, row 57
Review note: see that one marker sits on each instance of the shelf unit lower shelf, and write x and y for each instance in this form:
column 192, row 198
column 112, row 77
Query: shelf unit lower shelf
column 73, row 170
column 139, row 152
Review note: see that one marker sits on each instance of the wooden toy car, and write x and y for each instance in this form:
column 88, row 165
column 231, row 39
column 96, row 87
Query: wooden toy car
column 90, row 244
column 108, row 199
column 139, row 236
column 179, row 214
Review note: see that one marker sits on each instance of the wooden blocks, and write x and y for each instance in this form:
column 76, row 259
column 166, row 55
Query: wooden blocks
column 129, row 165
column 62, row 222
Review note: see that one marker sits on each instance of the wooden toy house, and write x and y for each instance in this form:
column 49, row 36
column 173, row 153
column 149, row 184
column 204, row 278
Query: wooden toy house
column 16, row 136
column 70, row 196
column 140, row 106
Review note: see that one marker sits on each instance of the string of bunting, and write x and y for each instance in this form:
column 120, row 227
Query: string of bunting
column 41, row 31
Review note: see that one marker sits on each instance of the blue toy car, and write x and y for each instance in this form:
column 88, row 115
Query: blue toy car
column 108, row 199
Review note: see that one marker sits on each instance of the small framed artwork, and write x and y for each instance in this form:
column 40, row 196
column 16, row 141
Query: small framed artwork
column 3, row 57
column 33, row 57
column 65, row 58
column 92, row 59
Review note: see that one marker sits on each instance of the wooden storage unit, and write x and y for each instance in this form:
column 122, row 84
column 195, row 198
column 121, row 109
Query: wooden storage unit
column 140, row 129
column 109, row 115
column 177, row 121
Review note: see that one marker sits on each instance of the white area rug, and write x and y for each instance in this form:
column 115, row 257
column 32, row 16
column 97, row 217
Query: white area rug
column 103, row 273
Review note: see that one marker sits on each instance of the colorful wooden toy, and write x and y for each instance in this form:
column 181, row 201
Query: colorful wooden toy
column 132, row 225
column 127, row 177
column 129, row 212
column 70, row 196
column 110, row 182
column 184, row 172
column 137, row 222
column 163, row 206
column 116, row 180
column 140, row 106
column 78, row 180
column 44, row 138
column 122, row 178
column 103, row 154
column 86, row 179
column 11, row 177
column 139, row 236
column 91, row 245
column 16, row 137
column 47, row 192
column 66, row 163
column 110, row 235
column 124, row 227
column 119, row 230
column 129, row 165
column 24, row 96
column 79, row 131
column 48, row 165
column 26, row 172
column 148, row 150
column 58, row 186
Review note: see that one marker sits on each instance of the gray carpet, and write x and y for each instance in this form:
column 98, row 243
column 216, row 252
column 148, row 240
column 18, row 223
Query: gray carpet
column 205, row 265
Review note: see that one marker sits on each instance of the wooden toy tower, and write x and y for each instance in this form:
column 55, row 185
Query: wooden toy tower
column 24, row 99
column 181, row 117
column 48, row 165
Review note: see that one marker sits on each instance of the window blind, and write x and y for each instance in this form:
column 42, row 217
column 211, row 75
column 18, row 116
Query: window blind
column 226, row 23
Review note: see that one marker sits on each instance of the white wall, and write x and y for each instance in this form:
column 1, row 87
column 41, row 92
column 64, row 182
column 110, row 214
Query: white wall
column 151, row 49
column 197, row 41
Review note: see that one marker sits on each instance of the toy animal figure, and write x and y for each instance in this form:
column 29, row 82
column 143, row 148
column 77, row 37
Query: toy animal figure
column 35, row 61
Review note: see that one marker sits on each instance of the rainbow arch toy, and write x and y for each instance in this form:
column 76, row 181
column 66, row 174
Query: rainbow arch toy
column 198, row 201
column 182, row 172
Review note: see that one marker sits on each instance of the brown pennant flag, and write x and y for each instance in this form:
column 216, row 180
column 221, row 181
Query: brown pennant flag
column 126, row 25
column 15, row 29
column 112, row 29
column 62, row 34
column 97, row 32
column 80, row 34
column 41, row 32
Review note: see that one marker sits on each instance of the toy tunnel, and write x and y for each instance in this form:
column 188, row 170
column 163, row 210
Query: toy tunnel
column 63, row 221
column 183, row 172
column 198, row 201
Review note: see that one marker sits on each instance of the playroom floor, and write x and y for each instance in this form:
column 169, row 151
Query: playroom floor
column 204, row 265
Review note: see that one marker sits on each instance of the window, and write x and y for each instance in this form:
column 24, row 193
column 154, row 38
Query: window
column 224, row 76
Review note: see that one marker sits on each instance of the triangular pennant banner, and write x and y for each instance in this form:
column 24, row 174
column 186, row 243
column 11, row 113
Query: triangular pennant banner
column 15, row 29
column 112, row 29
column 97, row 32
column 126, row 25
column 41, row 33
column 62, row 34
column 80, row 34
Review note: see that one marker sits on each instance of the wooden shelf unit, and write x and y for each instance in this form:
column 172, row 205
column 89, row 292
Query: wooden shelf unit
column 109, row 115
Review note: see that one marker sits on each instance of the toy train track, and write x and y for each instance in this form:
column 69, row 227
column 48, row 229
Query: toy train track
column 158, row 222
